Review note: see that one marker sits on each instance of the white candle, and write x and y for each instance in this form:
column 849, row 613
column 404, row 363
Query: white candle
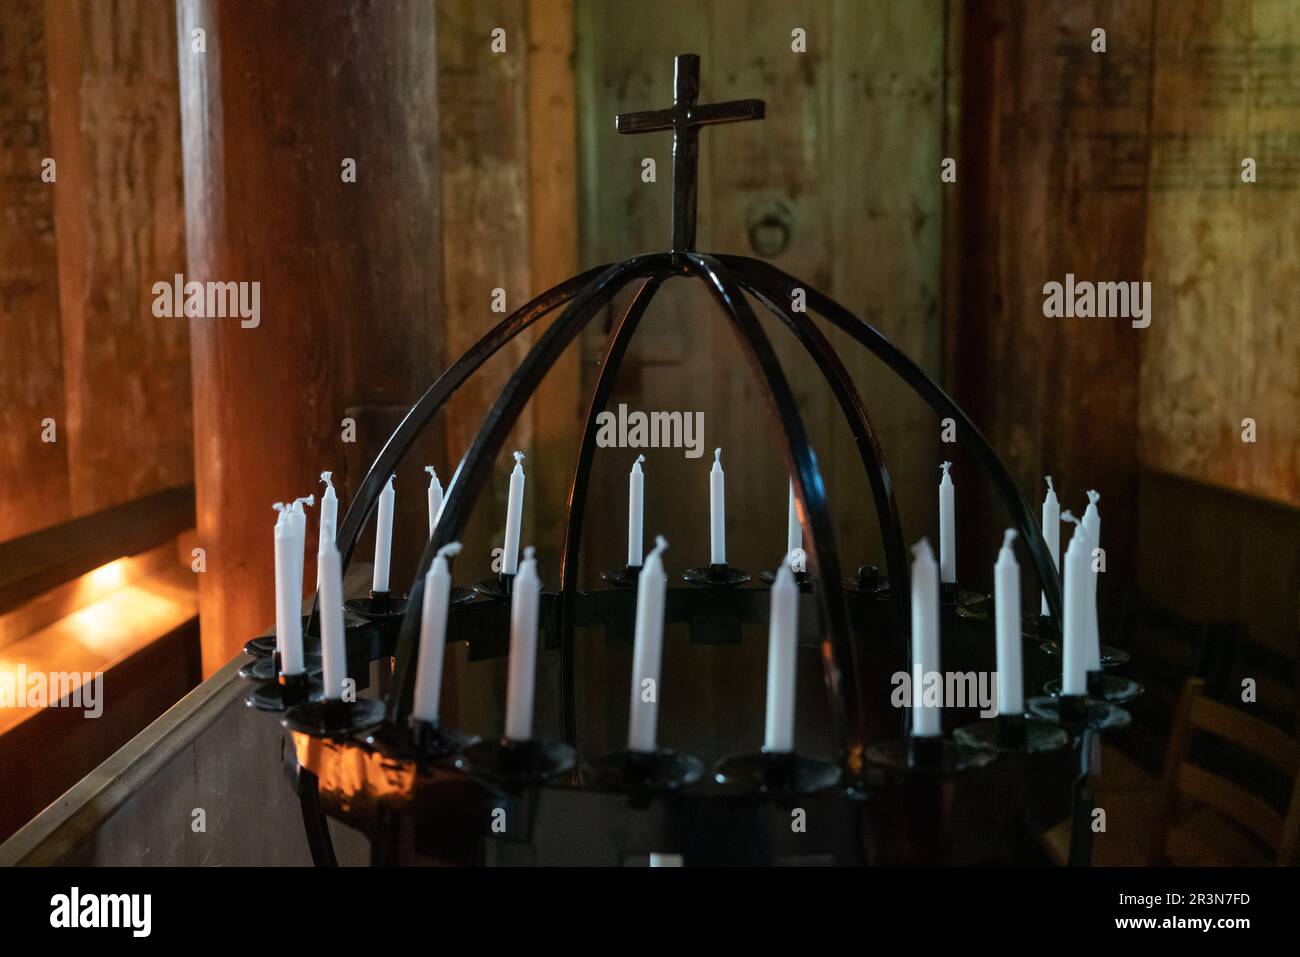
column 1074, row 651
column 522, row 670
column 435, row 498
column 334, row 652
column 635, row 513
column 514, row 515
column 1051, row 531
column 1092, row 525
column 647, row 651
column 947, row 528
column 329, row 508
column 1006, row 613
column 925, row 637
column 793, row 530
column 718, row 511
column 298, row 526
column 782, row 643
column 283, row 575
column 383, row 538
column 433, row 636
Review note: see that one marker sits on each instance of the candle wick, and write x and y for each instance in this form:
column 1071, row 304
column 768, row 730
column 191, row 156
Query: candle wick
column 326, row 477
column 640, row 459
column 519, row 457
column 280, row 507
column 1068, row 516
column 1093, row 496
column 922, row 548
column 451, row 549
column 309, row 501
column 433, row 476
column 717, row 456
column 1009, row 537
column 529, row 552
column 1050, row 486
column 661, row 544
column 945, row 467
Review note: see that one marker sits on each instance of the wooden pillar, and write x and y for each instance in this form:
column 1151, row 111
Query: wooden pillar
column 1051, row 178
column 276, row 99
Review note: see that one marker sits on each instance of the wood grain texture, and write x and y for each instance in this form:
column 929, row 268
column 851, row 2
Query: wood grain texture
column 33, row 474
column 350, row 273
column 1222, row 254
column 115, row 130
column 1051, row 171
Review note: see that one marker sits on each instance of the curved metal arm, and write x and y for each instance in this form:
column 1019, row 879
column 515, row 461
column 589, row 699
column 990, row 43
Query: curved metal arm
column 873, row 458
column 761, row 273
column 619, row 339
column 839, row 668
column 475, row 466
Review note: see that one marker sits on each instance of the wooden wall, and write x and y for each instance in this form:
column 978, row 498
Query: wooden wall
column 1222, row 254
column 849, row 153
column 34, row 474
column 92, row 86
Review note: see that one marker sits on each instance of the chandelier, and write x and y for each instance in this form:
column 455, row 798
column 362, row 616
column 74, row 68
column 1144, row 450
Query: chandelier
column 895, row 790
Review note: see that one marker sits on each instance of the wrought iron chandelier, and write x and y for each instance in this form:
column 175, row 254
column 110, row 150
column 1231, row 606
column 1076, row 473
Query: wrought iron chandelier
column 424, row 791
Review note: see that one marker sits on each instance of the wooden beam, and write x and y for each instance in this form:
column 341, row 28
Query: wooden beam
column 35, row 563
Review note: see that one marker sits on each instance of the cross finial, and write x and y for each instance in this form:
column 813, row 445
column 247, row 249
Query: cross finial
column 685, row 118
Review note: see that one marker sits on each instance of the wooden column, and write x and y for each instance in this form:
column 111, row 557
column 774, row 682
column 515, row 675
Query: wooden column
column 1051, row 178
column 350, row 272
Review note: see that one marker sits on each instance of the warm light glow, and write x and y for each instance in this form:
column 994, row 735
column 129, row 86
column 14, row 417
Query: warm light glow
column 109, row 577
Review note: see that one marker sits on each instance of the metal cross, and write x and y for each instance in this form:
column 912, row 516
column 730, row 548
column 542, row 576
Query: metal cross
column 685, row 118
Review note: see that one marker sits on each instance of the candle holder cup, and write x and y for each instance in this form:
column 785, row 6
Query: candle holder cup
column 517, row 762
column 1077, row 713
column 381, row 608
column 802, row 579
column 286, row 691
column 625, row 577
column 716, row 575
column 776, row 772
column 1012, row 734
column 1111, row 657
column 498, row 587
column 928, row 754
column 1103, row 687
column 868, row 581
column 658, row 770
column 334, row 717
column 422, row 740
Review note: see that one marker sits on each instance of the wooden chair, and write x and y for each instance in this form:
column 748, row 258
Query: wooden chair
column 1184, row 779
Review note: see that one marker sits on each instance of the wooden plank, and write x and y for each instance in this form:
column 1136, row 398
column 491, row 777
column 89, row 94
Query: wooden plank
column 115, row 130
column 33, row 473
column 42, row 560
